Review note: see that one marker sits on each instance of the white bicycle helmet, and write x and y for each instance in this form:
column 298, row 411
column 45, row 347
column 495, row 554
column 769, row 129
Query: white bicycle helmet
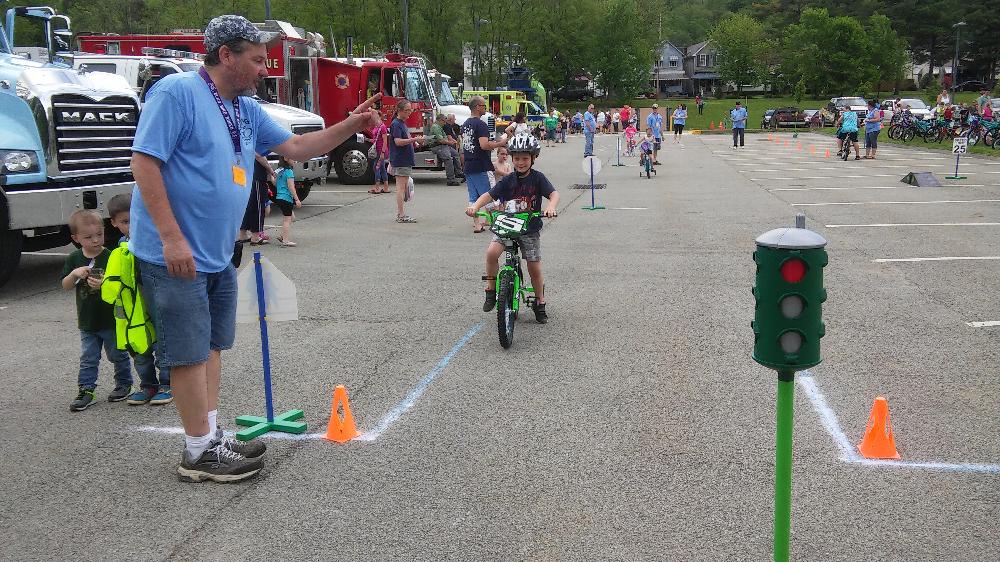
column 524, row 144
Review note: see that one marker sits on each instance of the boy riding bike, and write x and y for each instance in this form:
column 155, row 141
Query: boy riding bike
column 847, row 131
column 521, row 192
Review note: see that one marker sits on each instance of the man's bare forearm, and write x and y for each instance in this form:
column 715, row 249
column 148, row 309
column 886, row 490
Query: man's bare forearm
column 311, row 145
column 146, row 171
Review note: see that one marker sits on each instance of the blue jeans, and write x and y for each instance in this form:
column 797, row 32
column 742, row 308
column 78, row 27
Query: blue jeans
column 145, row 367
column 738, row 134
column 90, row 358
column 588, row 146
column 192, row 317
column 477, row 183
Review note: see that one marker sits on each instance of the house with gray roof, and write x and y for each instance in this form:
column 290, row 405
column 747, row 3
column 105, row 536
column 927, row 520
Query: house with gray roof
column 701, row 69
column 667, row 75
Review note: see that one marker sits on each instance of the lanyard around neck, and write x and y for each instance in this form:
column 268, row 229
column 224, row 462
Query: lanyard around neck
column 234, row 132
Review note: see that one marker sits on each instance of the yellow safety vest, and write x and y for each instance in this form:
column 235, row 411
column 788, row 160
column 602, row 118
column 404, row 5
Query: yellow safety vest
column 133, row 327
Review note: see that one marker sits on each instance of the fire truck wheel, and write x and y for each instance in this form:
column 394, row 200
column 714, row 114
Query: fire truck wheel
column 10, row 253
column 352, row 165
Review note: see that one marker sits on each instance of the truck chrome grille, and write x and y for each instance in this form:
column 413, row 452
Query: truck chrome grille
column 94, row 136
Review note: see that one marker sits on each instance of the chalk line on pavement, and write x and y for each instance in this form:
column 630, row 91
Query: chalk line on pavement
column 849, row 454
column 387, row 420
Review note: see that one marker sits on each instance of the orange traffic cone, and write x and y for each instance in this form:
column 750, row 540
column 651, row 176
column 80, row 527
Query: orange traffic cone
column 812, row 149
column 799, row 147
column 788, row 142
column 827, row 155
column 770, row 137
column 878, row 442
column 711, row 125
column 341, row 430
column 722, row 126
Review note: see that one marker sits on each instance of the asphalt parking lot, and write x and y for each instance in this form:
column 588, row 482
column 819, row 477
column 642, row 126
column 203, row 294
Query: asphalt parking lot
column 633, row 426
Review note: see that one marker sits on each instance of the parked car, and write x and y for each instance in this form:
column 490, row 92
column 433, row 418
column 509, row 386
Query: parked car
column 814, row 117
column 918, row 108
column 571, row 93
column 973, row 86
column 788, row 117
column 856, row 104
column 765, row 121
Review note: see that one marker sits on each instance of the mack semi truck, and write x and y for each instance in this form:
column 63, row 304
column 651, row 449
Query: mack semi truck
column 65, row 136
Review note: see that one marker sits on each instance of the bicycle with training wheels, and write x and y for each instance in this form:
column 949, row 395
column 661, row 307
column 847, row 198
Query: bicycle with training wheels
column 511, row 291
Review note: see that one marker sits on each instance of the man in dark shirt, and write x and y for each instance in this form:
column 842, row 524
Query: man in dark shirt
column 476, row 149
column 455, row 132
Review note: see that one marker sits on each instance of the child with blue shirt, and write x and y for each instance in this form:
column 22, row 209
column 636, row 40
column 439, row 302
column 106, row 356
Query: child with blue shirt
column 847, row 130
column 285, row 197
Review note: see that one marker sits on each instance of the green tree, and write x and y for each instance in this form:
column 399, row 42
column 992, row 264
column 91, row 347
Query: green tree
column 743, row 48
column 828, row 53
column 887, row 52
column 622, row 67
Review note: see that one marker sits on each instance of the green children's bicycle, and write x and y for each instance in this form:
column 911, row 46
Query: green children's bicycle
column 509, row 287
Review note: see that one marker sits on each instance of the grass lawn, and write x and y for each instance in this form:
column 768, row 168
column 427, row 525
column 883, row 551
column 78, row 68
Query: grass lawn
column 717, row 110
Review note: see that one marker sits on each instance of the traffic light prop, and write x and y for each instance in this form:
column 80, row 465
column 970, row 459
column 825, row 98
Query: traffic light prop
column 787, row 328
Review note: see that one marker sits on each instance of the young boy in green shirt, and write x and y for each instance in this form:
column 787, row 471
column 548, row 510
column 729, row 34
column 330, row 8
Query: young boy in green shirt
column 83, row 272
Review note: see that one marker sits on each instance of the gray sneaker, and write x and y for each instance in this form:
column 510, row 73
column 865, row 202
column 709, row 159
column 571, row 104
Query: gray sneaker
column 250, row 449
column 219, row 464
column 84, row 399
column 120, row 393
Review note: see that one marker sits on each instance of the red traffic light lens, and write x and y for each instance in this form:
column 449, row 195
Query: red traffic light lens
column 793, row 270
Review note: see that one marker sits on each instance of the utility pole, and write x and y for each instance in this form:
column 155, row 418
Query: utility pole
column 406, row 26
column 954, row 67
column 267, row 9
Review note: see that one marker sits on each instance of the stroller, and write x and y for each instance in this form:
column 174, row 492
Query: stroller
column 631, row 140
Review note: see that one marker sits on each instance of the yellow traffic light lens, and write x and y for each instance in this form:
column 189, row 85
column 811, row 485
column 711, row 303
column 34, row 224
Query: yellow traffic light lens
column 790, row 341
column 792, row 306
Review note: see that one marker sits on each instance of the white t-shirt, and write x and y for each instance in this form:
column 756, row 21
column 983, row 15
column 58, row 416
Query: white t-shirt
column 601, row 117
column 616, row 117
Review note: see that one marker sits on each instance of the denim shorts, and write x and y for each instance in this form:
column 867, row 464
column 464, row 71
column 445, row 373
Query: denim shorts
column 192, row 317
column 381, row 174
column 477, row 183
column 871, row 139
column 402, row 171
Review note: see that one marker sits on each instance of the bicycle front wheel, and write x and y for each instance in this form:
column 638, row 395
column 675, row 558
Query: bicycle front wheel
column 506, row 314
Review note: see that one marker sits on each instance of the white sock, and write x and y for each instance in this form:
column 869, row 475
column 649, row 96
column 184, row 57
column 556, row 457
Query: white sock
column 213, row 418
column 195, row 446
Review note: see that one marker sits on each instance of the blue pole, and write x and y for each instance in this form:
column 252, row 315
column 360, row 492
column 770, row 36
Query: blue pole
column 265, row 351
column 592, row 201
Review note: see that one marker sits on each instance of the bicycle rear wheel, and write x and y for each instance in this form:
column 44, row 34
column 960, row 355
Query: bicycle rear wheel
column 505, row 310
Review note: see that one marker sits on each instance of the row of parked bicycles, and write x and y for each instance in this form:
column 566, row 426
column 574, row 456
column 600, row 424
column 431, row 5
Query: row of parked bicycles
column 976, row 129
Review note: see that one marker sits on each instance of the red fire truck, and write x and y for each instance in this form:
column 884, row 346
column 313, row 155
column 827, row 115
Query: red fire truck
column 301, row 76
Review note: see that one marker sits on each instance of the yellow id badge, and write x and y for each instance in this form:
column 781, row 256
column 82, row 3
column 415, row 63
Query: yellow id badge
column 239, row 176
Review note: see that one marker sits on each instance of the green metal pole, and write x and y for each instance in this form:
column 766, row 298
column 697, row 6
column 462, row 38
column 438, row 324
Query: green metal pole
column 783, row 466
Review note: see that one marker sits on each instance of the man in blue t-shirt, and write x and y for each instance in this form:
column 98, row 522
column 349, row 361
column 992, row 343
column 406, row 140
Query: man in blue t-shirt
column 739, row 116
column 476, row 150
column 655, row 122
column 192, row 160
column 589, row 129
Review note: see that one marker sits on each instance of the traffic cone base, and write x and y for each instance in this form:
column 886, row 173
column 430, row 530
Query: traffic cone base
column 879, row 441
column 827, row 155
column 341, row 430
column 711, row 125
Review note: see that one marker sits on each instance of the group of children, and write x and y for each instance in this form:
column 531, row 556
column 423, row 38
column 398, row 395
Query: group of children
column 84, row 273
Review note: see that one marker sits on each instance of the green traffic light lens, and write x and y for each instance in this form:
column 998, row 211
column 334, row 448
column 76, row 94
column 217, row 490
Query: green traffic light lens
column 793, row 270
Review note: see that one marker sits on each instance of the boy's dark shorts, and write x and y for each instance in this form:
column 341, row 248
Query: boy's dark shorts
column 852, row 136
column 285, row 206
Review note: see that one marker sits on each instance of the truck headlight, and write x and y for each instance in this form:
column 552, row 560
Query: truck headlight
column 18, row 162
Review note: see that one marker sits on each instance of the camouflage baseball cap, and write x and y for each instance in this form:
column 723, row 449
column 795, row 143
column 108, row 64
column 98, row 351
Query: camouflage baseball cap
column 223, row 29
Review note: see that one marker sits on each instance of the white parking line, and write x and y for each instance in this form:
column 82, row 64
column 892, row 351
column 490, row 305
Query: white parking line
column 320, row 205
column 830, row 177
column 893, row 224
column 337, row 191
column 952, row 258
column 988, row 324
column 837, row 188
column 44, row 254
column 893, row 203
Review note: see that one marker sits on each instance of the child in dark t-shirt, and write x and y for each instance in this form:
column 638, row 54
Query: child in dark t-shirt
column 83, row 271
column 520, row 192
